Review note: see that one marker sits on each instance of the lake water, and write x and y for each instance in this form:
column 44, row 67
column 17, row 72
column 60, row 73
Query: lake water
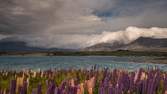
column 66, row 62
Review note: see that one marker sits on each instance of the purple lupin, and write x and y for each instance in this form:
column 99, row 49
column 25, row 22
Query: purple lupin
column 39, row 89
column 51, row 87
column 12, row 87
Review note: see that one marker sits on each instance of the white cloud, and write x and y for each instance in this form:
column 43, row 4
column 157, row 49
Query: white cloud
column 3, row 36
column 51, row 40
column 129, row 35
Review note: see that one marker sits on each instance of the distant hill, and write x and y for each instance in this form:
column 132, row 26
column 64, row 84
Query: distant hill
column 140, row 44
column 6, row 46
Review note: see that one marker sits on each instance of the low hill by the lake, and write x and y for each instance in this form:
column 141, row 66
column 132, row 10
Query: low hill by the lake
column 8, row 46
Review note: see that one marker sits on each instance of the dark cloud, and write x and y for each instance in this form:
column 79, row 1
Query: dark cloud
column 65, row 23
column 26, row 16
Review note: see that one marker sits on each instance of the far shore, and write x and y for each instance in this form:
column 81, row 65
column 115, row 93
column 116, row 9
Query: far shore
column 155, row 57
column 84, row 53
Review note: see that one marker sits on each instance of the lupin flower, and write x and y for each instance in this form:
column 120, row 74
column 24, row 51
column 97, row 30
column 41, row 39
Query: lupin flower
column 80, row 89
column 165, row 92
column 39, row 89
column 19, row 83
column 152, row 81
column 51, row 87
column 12, row 87
column 90, row 85
column 34, row 74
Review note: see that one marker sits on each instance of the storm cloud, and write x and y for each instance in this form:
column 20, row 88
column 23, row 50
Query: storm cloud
column 81, row 23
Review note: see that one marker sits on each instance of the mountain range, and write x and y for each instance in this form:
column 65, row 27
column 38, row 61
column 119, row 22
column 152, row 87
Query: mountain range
column 140, row 44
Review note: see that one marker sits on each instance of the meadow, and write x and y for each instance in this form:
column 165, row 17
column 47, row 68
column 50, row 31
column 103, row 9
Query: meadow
column 84, row 81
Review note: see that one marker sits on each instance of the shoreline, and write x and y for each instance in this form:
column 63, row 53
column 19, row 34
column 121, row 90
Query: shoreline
column 85, row 53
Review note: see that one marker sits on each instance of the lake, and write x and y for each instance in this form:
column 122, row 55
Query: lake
column 66, row 62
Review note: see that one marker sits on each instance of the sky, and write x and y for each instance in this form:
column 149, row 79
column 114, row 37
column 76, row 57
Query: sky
column 81, row 23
